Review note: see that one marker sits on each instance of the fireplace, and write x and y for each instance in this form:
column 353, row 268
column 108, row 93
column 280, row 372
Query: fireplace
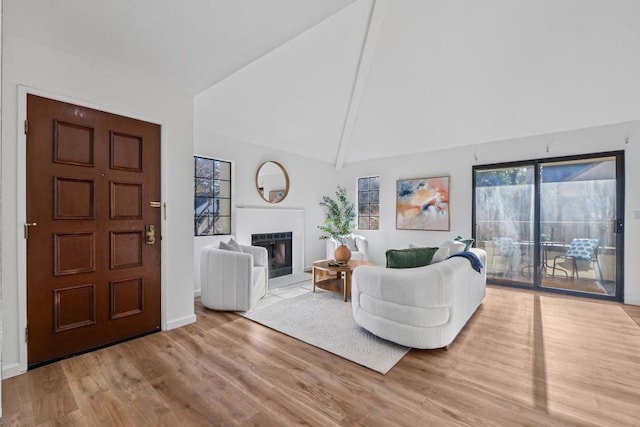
column 278, row 247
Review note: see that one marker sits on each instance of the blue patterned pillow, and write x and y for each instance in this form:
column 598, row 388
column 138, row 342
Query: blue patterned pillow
column 582, row 248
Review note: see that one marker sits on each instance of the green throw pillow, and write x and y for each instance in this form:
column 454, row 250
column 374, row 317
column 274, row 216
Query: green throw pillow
column 409, row 258
column 467, row 242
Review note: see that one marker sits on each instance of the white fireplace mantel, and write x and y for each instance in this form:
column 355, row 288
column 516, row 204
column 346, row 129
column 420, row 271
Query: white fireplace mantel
column 258, row 220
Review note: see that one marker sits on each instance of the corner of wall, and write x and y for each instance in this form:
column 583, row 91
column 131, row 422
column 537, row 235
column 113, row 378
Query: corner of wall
column 182, row 321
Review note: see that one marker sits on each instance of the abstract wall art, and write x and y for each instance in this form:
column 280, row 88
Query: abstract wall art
column 423, row 204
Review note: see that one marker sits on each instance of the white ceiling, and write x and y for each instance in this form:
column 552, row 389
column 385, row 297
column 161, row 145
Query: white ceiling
column 294, row 99
column 342, row 80
column 454, row 73
column 191, row 43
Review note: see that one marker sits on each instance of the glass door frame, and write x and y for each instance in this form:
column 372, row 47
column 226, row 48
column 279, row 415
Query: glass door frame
column 537, row 249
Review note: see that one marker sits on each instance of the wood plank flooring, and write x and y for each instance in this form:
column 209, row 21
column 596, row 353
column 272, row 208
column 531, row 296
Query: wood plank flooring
column 525, row 358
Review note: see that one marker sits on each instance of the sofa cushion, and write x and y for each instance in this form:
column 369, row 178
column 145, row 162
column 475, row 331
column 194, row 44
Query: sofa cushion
column 235, row 244
column 454, row 246
column 350, row 242
column 413, row 315
column 409, row 258
column 441, row 254
column 467, row 242
column 229, row 247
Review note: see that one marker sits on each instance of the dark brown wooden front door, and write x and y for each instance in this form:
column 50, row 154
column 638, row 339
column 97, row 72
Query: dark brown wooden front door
column 93, row 272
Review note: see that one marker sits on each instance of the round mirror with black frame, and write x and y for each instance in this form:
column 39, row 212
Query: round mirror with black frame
column 272, row 182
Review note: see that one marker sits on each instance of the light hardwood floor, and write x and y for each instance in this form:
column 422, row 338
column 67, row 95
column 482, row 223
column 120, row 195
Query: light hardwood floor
column 524, row 359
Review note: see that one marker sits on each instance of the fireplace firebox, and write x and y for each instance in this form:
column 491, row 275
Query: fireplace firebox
column 279, row 247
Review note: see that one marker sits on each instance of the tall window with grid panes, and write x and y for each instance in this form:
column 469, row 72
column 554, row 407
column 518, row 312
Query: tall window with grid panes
column 212, row 201
column 368, row 203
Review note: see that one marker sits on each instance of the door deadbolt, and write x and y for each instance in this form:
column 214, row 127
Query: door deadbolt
column 150, row 234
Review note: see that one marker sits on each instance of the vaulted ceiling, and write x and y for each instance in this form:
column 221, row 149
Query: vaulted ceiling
column 343, row 81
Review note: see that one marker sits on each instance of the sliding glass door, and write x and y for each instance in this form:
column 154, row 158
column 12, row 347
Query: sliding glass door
column 553, row 224
column 578, row 225
column 504, row 221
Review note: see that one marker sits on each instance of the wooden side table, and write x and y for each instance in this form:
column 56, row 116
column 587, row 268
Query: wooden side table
column 335, row 278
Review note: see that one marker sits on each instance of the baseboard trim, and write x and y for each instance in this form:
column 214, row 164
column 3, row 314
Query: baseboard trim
column 11, row 370
column 177, row 323
column 197, row 293
column 632, row 301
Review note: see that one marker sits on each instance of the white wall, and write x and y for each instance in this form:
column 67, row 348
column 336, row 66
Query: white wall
column 309, row 180
column 54, row 72
column 0, row 215
column 458, row 162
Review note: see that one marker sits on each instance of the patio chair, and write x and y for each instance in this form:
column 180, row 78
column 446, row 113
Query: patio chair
column 580, row 250
column 509, row 250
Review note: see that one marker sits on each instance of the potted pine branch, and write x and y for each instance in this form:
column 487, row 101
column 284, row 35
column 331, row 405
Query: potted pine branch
column 339, row 221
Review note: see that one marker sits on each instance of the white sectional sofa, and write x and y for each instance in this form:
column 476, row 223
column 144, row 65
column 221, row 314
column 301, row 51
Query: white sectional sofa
column 423, row 307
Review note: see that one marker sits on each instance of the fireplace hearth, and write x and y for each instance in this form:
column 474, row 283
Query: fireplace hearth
column 279, row 249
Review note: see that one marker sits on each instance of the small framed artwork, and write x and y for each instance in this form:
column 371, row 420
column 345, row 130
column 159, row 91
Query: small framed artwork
column 423, row 204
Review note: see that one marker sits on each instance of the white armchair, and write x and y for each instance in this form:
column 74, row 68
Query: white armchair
column 359, row 243
column 233, row 281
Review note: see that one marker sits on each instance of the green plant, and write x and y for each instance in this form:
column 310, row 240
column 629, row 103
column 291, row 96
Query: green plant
column 340, row 217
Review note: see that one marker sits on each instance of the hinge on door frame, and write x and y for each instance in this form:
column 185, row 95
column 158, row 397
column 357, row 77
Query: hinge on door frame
column 26, row 334
column 26, row 126
column 26, row 228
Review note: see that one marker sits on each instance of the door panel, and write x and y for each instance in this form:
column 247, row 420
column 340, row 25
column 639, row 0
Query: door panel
column 73, row 198
column 92, row 279
column 578, row 216
column 73, row 253
column 504, row 226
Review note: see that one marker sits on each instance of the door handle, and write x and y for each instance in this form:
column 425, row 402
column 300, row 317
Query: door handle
column 619, row 226
column 150, row 234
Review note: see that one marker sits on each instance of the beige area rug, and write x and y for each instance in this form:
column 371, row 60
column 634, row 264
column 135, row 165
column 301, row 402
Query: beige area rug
column 323, row 320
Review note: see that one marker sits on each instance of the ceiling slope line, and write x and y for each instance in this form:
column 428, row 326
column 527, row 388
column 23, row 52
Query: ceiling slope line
column 233, row 138
column 369, row 43
column 270, row 51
